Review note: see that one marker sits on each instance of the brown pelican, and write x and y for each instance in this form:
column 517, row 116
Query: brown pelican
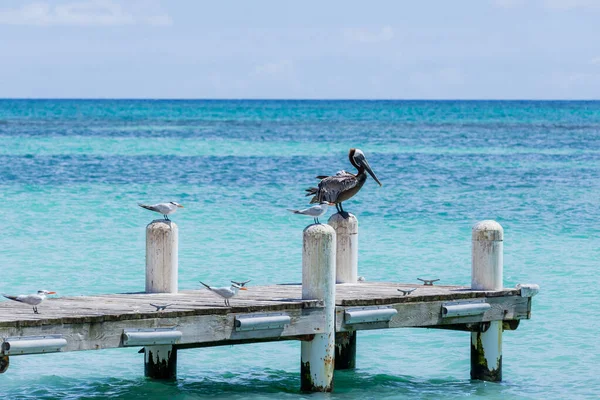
column 343, row 185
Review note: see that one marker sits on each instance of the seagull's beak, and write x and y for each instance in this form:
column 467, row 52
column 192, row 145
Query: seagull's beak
column 180, row 206
column 243, row 288
column 51, row 292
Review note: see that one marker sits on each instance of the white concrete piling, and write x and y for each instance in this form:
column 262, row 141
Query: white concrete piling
column 486, row 274
column 346, row 256
column 318, row 282
column 346, row 266
column 162, row 260
column 162, row 264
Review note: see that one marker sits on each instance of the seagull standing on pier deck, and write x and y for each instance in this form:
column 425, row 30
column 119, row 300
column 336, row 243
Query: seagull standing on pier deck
column 315, row 211
column 226, row 292
column 163, row 208
column 31, row 299
column 343, row 185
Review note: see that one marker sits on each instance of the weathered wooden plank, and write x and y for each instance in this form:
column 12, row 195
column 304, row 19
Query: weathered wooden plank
column 70, row 310
column 91, row 335
column 424, row 314
column 136, row 306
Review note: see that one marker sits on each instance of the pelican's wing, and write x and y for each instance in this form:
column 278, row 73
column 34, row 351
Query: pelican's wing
column 339, row 173
column 331, row 187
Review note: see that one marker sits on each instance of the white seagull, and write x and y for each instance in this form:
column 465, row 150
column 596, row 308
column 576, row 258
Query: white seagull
column 31, row 299
column 314, row 211
column 163, row 208
column 226, row 292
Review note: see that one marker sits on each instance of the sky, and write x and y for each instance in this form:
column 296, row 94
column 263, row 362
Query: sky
column 462, row 49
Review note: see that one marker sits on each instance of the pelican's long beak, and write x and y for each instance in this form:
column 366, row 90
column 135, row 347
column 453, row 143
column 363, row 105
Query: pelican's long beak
column 370, row 171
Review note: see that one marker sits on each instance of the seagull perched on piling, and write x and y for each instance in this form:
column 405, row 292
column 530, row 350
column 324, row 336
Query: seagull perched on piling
column 163, row 208
column 31, row 299
column 315, row 211
column 226, row 292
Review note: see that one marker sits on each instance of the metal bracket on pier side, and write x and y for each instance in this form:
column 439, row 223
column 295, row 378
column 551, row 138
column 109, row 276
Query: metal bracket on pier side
column 254, row 322
column 528, row 289
column 464, row 308
column 17, row 345
column 364, row 315
column 150, row 337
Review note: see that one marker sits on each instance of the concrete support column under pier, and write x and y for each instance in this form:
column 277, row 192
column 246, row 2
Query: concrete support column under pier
column 346, row 271
column 162, row 264
column 486, row 274
column 318, row 282
column 160, row 362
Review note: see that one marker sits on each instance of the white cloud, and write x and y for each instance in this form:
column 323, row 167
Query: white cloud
column 583, row 79
column 508, row 3
column 431, row 82
column 571, row 4
column 384, row 34
column 83, row 13
column 554, row 5
column 282, row 67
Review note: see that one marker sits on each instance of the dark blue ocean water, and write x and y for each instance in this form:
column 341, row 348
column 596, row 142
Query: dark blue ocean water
column 72, row 172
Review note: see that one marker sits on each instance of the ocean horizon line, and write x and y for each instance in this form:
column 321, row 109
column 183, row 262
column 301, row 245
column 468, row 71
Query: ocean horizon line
column 291, row 99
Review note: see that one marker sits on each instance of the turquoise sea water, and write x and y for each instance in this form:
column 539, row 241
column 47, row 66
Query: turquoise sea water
column 72, row 172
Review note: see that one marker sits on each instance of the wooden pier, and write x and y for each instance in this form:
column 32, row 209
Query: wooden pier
column 198, row 318
column 97, row 322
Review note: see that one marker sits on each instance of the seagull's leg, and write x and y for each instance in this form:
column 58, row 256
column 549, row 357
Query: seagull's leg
column 35, row 311
column 337, row 207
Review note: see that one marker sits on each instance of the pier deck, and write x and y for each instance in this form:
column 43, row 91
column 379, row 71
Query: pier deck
column 99, row 322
